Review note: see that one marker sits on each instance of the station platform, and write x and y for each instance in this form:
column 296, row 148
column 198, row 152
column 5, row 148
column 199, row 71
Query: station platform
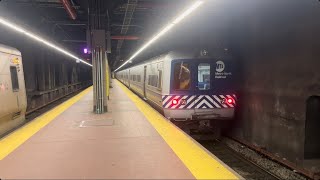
column 130, row 141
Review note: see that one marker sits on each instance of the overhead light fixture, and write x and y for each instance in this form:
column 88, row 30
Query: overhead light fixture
column 85, row 50
column 187, row 12
column 40, row 39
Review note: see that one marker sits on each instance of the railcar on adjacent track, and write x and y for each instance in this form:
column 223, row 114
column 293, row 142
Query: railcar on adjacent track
column 13, row 100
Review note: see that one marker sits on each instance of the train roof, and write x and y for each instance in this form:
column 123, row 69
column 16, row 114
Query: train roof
column 9, row 50
column 171, row 55
column 174, row 54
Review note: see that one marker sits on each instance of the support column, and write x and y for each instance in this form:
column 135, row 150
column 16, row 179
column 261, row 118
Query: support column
column 99, row 86
column 98, row 44
column 96, row 38
column 41, row 72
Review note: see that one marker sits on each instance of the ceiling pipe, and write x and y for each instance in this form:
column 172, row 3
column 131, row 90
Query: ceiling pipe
column 148, row 5
column 69, row 8
column 132, row 38
column 124, row 37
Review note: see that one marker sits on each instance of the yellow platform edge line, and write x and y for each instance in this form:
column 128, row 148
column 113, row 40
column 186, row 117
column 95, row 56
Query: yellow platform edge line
column 13, row 140
column 201, row 163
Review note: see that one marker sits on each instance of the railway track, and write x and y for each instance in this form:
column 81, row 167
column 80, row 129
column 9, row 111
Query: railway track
column 247, row 169
column 37, row 112
column 220, row 147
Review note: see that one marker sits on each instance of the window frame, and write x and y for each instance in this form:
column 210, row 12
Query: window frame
column 194, row 80
column 160, row 79
column 153, row 80
column 17, row 87
column 190, row 64
column 139, row 78
column 210, row 76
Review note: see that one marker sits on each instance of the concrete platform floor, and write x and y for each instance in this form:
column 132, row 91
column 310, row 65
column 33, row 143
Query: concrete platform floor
column 78, row 144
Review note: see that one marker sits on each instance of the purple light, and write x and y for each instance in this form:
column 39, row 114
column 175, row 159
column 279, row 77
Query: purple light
column 85, row 50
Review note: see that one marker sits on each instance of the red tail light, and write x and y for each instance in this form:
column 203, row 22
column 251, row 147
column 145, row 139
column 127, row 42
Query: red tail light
column 175, row 102
column 229, row 100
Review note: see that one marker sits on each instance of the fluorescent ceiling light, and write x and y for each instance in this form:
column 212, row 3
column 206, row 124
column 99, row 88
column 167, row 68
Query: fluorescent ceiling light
column 40, row 39
column 187, row 12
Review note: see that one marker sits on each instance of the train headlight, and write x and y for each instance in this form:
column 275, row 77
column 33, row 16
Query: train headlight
column 204, row 53
column 174, row 101
column 229, row 100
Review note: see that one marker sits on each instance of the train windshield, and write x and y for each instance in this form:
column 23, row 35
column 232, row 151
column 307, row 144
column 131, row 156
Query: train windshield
column 182, row 76
column 204, row 76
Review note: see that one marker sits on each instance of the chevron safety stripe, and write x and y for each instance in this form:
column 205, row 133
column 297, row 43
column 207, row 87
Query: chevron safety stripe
column 198, row 101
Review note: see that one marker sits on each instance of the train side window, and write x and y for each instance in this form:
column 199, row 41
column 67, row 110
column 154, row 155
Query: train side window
column 160, row 79
column 138, row 78
column 153, row 80
column 14, row 78
column 204, row 76
column 182, row 76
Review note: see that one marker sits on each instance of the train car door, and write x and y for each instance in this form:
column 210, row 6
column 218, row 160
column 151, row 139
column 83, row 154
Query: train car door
column 129, row 78
column 15, row 88
column 144, row 81
column 203, row 87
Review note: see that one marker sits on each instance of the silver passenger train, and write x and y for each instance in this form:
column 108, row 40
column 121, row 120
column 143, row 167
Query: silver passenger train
column 13, row 100
column 185, row 86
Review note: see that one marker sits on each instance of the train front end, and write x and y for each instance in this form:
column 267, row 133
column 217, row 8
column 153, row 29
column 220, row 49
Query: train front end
column 201, row 89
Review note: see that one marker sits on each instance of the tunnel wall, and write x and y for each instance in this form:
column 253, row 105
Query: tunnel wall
column 48, row 74
column 277, row 45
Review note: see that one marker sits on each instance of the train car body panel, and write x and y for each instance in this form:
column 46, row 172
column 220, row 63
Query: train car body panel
column 136, row 82
column 12, row 89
